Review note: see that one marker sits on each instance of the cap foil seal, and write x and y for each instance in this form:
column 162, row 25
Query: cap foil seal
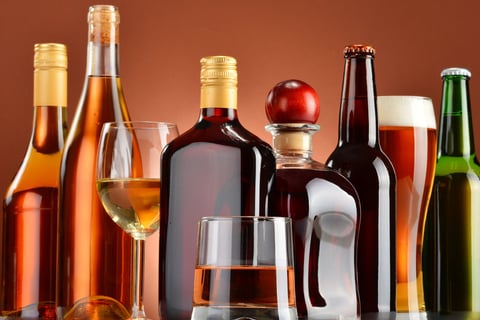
column 50, row 74
column 218, row 78
column 103, row 23
column 456, row 72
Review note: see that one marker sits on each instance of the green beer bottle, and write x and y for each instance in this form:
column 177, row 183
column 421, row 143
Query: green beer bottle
column 451, row 248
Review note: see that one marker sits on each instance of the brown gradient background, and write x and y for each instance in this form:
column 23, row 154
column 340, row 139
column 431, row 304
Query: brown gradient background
column 273, row 40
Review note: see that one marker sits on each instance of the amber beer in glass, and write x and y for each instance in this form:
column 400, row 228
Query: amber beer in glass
column 408, row 137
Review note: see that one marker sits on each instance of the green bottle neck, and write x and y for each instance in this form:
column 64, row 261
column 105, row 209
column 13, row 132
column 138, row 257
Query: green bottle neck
column 456, row 130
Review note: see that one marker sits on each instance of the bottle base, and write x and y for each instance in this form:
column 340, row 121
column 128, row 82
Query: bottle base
column 96, row 307
column 243, row 313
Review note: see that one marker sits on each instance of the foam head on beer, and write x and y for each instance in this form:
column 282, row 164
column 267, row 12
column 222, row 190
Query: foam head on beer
column 411, row 111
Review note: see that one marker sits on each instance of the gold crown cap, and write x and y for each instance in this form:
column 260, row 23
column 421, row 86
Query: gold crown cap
column 218, row 69
column 50, row 55
column 359, row 49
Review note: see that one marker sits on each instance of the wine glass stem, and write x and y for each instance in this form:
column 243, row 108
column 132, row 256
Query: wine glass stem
column 138, row 311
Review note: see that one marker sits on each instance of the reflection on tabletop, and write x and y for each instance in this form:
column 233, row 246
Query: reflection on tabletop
column 422, row 316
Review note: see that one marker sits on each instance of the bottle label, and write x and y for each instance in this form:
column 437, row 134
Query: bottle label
column 50, row 87
column 215, row 96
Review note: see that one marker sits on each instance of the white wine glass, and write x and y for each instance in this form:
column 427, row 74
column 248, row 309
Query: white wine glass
column 128, row 184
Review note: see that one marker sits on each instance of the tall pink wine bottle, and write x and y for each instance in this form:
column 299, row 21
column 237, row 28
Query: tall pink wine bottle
column 94, row 266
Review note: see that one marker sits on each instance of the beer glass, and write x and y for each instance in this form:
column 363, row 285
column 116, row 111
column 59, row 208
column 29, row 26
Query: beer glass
column 407, row 129
column 244, row 269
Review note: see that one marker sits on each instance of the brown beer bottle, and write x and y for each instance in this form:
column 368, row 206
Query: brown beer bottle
column 358, row 157
column 216, row 168
column 28, row 261
column 94, row 269
column 451, row 248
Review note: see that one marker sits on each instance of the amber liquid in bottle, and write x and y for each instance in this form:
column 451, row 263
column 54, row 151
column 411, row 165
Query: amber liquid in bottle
column 217, row 168
column 95, row 254
column 28, row 262
column 358, row 157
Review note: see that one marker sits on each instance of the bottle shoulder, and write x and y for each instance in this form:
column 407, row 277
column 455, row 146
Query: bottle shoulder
column 101, row 101
column 214, row 135
column 301, row 177
column 449, row 165
column 36, row 170
column 358, row 157
column 313, row 193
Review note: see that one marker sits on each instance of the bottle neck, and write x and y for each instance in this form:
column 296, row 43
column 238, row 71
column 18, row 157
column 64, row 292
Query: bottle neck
column 103, row 44
column 49, row 129
column 50, row 112
column 103, row 59
column 358, row 114
column 292, row 142
column 456, row 130
column 220, row 95
column 218, row 103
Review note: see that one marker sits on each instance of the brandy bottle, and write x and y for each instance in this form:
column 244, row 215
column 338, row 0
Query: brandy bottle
column 216, row 168
column 29, row 243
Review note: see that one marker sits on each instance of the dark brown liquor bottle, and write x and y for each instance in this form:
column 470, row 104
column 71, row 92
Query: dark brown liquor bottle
column 358, row 157
column 216, row 168
column 28, row 262
column 94, row 270
column 451, row 248
column 325, row 211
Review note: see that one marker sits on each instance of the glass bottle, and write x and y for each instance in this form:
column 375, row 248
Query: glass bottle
column 451, row 249
column 28, row 262
column 359, row 157
column 94, row 270
column 325, row 210
column 216, row 168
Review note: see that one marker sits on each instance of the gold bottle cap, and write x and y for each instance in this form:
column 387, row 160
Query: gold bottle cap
column 50, row 75
column 102, row 19
column 359, row 49
column 218, row 69
column 218, row 77
column 50, row 55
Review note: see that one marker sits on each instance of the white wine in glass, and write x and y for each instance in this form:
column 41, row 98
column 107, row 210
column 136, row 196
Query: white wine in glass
column 128, row 184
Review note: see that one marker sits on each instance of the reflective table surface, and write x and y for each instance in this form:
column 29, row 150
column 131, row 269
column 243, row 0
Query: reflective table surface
column 422, row 316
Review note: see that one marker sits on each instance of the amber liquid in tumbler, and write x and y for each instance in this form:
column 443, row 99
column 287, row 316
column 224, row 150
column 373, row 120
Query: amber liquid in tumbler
column 95, row 265
column 414, row 167
column 30, row 215
column 323, row 207
column 255, row 287
column 219, row 169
